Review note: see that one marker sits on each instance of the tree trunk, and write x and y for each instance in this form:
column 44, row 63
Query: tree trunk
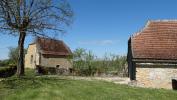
column 20, row 65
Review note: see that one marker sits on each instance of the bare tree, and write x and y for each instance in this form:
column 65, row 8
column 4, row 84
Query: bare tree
column 35, row 17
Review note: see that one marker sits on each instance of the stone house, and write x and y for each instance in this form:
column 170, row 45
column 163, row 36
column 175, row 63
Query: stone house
column 152, row 54
column 45, row 52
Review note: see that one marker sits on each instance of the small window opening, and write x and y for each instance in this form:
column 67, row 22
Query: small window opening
column 57, row 66
column 31, row 59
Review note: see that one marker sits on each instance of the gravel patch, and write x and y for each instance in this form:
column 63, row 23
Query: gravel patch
column 116, row 80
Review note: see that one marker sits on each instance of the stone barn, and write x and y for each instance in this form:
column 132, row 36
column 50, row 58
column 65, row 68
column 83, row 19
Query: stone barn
column 152, row 55
column 51, row 53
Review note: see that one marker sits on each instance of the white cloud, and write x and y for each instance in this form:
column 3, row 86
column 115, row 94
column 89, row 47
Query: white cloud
column 98, row 42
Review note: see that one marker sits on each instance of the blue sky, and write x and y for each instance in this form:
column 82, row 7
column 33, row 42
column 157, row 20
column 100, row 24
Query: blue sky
column 105, row 25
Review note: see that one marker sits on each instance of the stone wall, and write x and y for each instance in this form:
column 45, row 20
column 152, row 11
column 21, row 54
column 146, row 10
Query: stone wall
column 53, row 62
column 155, row 77
column 30, row 62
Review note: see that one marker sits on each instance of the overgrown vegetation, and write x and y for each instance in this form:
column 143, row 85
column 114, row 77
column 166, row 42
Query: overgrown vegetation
column 31, row 87
column 7, row 71
column 8, row 67
column 5, row 63
column 13, row 55
column 85, row 63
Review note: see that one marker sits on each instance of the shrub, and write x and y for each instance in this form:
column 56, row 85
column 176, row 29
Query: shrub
column 8, row 71
column 85, row 63
column 5, row 63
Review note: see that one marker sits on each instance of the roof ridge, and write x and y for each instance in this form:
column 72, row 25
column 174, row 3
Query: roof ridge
column 164, row 20
column 148, row 22
column 48, row 38
column 142, row 29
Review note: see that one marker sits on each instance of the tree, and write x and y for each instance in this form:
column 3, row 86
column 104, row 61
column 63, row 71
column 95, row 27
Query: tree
column 89, row 60
column 13, row 54
column 79, row 57
column 35, row 17
column 79, row 54
column 83, row 61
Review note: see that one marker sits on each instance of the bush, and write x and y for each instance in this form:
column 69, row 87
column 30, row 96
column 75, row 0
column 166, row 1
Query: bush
column 5, row 63
column 7, row 71
column 85, row 63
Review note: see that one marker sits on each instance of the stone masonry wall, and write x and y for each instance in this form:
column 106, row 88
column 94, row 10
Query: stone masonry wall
column 53, row 62
column 155, row 77
column 30, row 63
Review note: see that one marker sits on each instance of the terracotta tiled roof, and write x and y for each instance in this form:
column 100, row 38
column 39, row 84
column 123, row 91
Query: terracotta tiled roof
column 158, row 40
column 53, row 47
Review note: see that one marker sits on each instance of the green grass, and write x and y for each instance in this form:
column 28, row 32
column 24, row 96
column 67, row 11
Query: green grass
column 31, row 87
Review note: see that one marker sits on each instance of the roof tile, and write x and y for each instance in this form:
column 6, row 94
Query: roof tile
column 53, row 47
column 158, row 40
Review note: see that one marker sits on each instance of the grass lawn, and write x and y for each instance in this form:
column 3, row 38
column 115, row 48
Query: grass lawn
column 47, row 88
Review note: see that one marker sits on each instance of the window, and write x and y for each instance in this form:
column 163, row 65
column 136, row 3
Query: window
column 57, row 66
column 31, row 59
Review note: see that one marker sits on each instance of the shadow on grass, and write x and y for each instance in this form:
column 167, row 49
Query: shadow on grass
column 31, row 82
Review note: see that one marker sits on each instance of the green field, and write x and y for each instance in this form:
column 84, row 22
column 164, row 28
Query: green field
column 31, row 87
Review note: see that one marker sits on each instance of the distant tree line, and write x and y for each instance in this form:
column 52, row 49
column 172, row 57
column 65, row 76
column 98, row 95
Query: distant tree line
column 8, row 67
column 85, row 63
column 12, row 57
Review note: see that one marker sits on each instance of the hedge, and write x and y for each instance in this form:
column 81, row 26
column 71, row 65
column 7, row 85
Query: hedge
column 7, row 71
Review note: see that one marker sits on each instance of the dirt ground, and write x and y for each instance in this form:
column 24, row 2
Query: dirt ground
column 115, row 79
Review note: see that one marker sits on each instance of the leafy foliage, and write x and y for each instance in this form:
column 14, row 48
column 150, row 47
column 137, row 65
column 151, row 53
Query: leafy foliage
column 86, row 63
column 4, row 63
column 7, row 71
column 13, row 55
